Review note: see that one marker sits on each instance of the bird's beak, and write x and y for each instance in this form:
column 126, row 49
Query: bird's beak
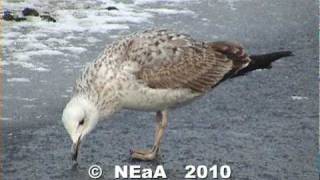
column 75, row 149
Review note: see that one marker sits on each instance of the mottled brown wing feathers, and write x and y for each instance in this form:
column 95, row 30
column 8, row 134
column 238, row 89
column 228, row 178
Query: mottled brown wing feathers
column 233, row 51
column 199, row 67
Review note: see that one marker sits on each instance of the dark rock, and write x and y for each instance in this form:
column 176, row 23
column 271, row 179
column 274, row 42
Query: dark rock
column 30, row 12
column 7, row 16
column 110, row 8
column 47, row 18
column 18, row 19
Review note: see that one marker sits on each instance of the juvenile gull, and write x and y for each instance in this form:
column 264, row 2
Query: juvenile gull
column 153, row 71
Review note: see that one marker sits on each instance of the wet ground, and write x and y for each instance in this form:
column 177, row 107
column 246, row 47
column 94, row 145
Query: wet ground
column 263, row 125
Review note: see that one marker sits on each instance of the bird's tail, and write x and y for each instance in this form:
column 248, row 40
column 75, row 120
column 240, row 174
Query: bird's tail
column 262, row 61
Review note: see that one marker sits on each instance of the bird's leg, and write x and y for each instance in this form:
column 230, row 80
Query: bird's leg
column 158, row 125
column 150, row 154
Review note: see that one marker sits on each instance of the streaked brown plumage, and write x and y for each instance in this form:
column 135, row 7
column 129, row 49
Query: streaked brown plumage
column 155, row 70
column 199, row 66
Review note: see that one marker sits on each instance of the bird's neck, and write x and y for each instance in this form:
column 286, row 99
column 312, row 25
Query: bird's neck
column 103, row 107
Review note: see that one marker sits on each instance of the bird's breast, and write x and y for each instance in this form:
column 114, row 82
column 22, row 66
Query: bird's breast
column 143, row 98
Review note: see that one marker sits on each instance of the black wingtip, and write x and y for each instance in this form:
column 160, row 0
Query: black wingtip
column 277, row 55
column 291, row 53
column 263, row 61
column 270, row 57
column 286, row 53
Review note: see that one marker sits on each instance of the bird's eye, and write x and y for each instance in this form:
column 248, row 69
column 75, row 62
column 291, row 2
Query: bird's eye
column 81, row 122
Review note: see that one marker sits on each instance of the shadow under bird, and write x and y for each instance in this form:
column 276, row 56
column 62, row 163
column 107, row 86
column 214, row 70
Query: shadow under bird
column 155, row 70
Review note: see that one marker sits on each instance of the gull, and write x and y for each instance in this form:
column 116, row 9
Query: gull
column 155, row 70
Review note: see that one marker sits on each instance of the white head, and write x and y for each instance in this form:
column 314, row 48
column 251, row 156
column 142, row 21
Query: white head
column 79, row 117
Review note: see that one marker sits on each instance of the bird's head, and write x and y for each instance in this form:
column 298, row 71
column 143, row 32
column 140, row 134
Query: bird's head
column 79, row 117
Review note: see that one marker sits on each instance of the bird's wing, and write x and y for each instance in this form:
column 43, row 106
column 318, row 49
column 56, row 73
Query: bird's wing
column 170, row 60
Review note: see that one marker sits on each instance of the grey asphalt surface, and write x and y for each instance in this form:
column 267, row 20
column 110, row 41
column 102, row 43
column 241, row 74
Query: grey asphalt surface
column 250, row 123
